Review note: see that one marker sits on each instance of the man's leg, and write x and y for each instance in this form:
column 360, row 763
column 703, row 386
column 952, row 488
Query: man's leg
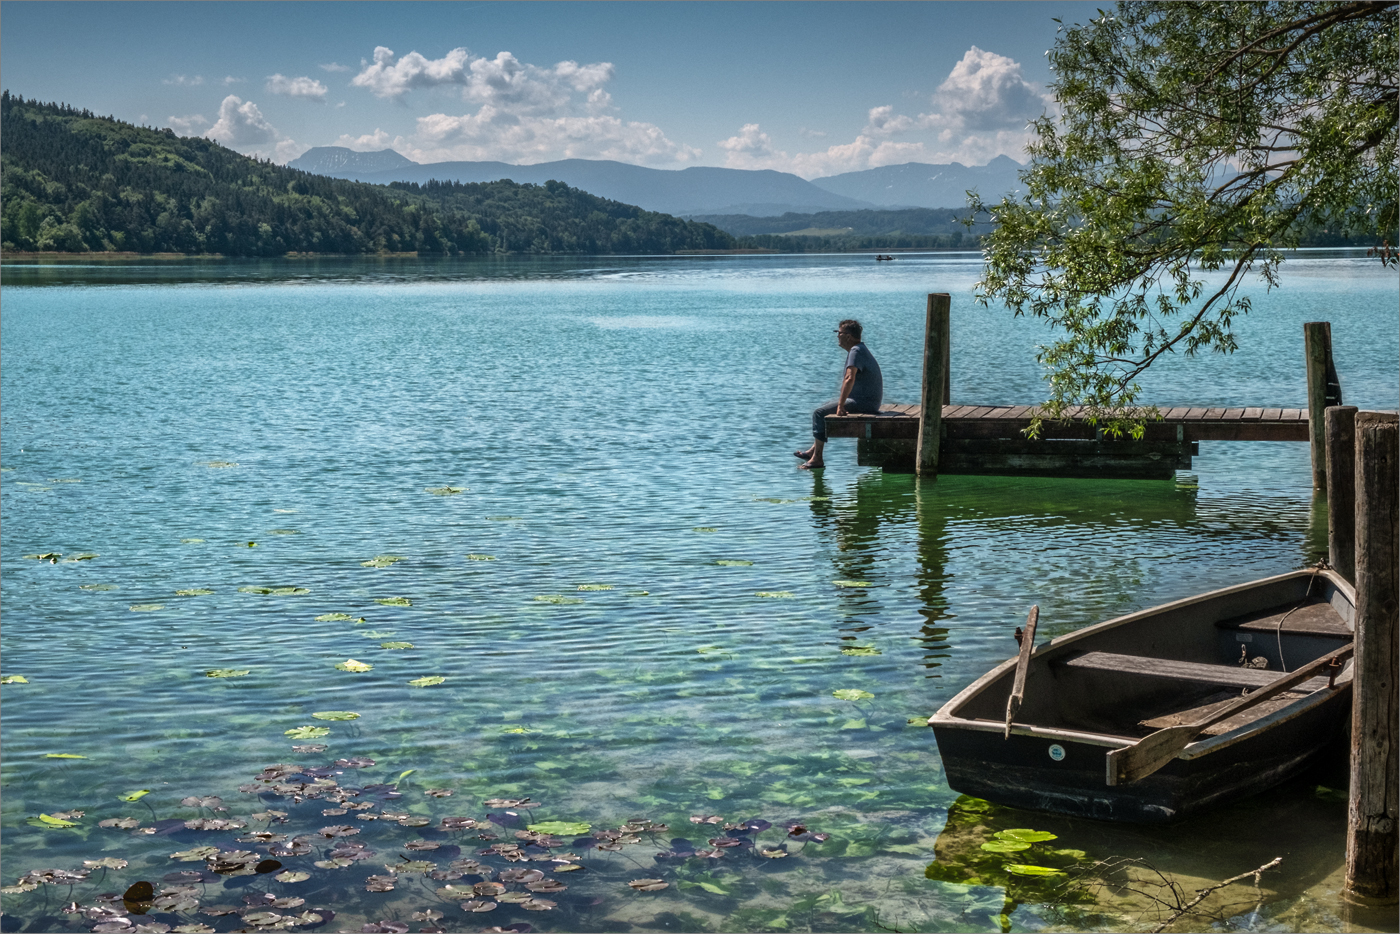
column 814, row 453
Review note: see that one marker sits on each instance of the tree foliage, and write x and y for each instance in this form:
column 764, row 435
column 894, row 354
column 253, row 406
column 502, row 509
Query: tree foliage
column 71, row 181
column 1195, row 142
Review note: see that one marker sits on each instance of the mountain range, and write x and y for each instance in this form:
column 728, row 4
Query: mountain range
column 698, row 190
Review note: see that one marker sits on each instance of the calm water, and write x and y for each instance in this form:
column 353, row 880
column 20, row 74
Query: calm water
column 659, row 633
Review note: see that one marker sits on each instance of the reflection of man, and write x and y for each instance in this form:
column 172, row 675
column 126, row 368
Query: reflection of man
column 862, row 390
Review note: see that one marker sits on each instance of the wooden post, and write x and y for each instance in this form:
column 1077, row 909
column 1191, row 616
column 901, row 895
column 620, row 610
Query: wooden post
column 1341, row 490
column 1372, row 835
column 1317, row 345
column 935, row 388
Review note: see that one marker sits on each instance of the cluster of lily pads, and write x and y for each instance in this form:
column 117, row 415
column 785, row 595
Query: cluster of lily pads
column 497, row 861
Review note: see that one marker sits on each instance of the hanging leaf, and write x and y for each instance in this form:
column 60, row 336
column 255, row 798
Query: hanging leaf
column 335, row 715
column 351, row 665
column 194, row 592
column 427, row 681
column 227, row 672
column 851, row 694
column 394, row 601
column 308, row 732
column 396, row 645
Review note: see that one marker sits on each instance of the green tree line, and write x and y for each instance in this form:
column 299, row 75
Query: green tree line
column 72, row 181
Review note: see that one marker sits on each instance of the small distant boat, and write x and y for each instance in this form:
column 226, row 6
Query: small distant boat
column 880, row 258
column 1163, row 712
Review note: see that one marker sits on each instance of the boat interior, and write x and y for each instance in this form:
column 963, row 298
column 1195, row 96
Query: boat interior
column 1141, row 674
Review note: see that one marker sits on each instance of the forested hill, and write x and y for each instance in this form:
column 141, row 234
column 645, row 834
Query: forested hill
column 71, row 181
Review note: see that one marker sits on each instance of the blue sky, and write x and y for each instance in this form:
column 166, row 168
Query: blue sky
column 811, row 88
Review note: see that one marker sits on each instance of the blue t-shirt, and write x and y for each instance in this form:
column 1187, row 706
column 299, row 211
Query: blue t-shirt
column 869, row 390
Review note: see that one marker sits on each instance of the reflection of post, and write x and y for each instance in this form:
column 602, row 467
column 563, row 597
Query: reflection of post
column 931, row 515
column 1375, row 770
column 1341, row 490
column 936, row 383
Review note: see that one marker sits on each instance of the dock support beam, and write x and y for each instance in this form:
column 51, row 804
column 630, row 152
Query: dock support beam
column 936, row 384
column 1372, row 873
column 1324, row 389
column 1341, row 490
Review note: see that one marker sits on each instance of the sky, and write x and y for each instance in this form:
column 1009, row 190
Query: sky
column 815, row 89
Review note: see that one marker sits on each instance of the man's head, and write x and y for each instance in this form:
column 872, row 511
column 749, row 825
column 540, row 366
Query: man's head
column 848, row 333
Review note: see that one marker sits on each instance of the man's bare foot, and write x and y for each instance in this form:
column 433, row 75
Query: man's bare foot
column 805, row 455
column 811, row 465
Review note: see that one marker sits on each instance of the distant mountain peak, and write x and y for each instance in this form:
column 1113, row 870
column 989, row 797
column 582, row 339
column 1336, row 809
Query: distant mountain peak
column 326, row 160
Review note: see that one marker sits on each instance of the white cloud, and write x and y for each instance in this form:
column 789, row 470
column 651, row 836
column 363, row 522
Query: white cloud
column 523, row 113
column 187, row 126
column 370, row 142
column 184, row 81
column 981, row 110
column 309, row 88
column 230, row 79
column 332, row 66
column 241, row 126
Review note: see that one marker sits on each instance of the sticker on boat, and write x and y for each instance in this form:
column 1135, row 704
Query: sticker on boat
column 1057, row 752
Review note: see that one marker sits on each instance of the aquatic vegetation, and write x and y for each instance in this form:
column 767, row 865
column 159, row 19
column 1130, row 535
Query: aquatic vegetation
column 852, row 583
column 14, row 679
column 851, row 694
column 775, row 594
column 308, row 732
column 227, row 672
column 595, row 586
column 396, row 645
column 445, row 490
column 704, row 528
column 146, row 607
column 98, row 587
column 338, row 618
column 335, row 715
column 394, row 601
column 284, row 532
column 734, row 563
column 427, row 681
column 474, row 557
column 859, row 650
column 218, row 465
column 194, row 592
column 276, row 591
column 351, row 664
column 558, row 599
column 381, row 561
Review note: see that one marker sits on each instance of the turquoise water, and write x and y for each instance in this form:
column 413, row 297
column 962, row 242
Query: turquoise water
column 590, row 423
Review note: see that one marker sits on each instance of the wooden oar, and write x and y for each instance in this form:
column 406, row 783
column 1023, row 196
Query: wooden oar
column 1155, row 750
column 1018, row 687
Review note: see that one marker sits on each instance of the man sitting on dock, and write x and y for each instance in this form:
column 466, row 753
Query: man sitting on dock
column 862, row 390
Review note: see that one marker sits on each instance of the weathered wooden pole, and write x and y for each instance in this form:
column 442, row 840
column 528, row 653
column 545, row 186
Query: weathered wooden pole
column 1324, row 389
column 1341, row 490
column 936, row 384
column 1372, row 838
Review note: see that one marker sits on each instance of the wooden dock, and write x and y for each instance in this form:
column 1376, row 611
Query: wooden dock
column 989, row 439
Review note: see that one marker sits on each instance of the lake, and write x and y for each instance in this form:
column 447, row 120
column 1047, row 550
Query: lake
column 521, row 541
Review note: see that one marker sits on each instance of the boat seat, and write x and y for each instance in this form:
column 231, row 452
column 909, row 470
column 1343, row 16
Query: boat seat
column 1144, row 666
column 1313, row 619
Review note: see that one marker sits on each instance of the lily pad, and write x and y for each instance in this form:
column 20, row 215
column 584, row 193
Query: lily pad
column 146, row 607
column 218, row 465
column 445, row 490
column 396, row 645
column 336, row 618
column 1005, row 846
column 851, row 694
column 227, row 672
column 136, row 795
column 194, row 592
column 48, row 820
column 562, row 828
column 85, row 556
column 734, row 563
column 335, row 715
column 308, row 732
column 558, row 599
column 481, row 557
column 97, row 586
column 704, row 528
column 775, row 594
column 14, row 679
column 394, row 601
column 648, row 885
column 63, row 755
column 1024, row 835
column 859, row 650
column 381, row 561
column 1020, row 869
column 595, row 586
column 107, row 862
column 427, row 681
column 290, row 876
column 852, row 583
column 351, row 665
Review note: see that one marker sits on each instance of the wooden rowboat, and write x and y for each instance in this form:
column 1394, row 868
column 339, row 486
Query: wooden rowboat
column 1162, row 712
